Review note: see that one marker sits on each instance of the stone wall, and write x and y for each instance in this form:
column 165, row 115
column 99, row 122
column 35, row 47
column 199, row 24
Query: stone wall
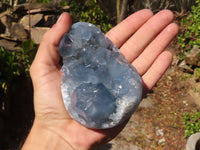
column 16, row 25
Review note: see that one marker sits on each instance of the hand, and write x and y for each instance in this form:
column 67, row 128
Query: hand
column 142, row 39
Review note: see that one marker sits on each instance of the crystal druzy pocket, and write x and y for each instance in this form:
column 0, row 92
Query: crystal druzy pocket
column 100, row 89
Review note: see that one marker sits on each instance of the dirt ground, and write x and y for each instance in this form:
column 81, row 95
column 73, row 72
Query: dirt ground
column 157, row 123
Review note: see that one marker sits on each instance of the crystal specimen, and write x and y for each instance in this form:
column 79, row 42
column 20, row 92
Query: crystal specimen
column 100, row 88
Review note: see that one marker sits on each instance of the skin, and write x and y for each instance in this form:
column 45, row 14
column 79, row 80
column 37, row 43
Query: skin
column 142, row 39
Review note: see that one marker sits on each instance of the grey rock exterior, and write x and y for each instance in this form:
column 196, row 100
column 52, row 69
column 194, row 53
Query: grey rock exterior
column 34, row 19
column 100, row 88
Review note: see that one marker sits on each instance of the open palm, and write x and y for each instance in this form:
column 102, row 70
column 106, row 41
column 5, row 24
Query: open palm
column 141, row 38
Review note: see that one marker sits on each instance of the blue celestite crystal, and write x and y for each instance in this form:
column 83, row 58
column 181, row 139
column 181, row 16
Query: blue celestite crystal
column 100, row 88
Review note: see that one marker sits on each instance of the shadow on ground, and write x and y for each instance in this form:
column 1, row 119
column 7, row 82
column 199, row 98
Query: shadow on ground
column 107, row 146
column 16, row 114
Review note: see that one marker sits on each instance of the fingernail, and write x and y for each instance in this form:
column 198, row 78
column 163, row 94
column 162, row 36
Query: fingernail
column 60, row 18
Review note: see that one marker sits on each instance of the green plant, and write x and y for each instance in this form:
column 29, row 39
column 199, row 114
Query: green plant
column 9, row 67
column 63, row 3
column 191, row 123
column 27, row 54
column 90, row 11
column 185, row 77
column 190, row 32
column 15, row 63
column 197, row 73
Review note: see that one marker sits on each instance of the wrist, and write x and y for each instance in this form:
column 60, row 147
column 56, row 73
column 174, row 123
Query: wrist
column 44, row 139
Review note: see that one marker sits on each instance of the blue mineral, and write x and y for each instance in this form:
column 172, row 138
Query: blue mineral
column 100, row 89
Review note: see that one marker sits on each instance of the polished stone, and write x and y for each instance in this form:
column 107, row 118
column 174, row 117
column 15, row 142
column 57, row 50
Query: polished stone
column 100, row 88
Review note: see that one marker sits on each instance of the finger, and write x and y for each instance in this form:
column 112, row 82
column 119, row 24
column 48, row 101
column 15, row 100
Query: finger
column 48, row 51
column 157, row 69
column 119, row 34
column 136, row 44
column 147, row 57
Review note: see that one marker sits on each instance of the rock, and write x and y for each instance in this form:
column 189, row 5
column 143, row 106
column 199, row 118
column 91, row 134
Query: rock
column 50, row 20
column 34, row 20
column 48, row 9
column 100, row 88
column 162, row 141
column 12, row 29
column 37, row 33
column 193, row 142
column 18, row 32
column 6, row 19
column 65, row 8
column 183, row 66
column 159, row 132
column 26, row 6
column 9, row 45
column 193, row 58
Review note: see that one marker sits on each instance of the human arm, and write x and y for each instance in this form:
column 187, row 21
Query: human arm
column 141, row 38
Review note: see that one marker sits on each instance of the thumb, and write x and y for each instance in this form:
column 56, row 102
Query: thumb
column 48, row 54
